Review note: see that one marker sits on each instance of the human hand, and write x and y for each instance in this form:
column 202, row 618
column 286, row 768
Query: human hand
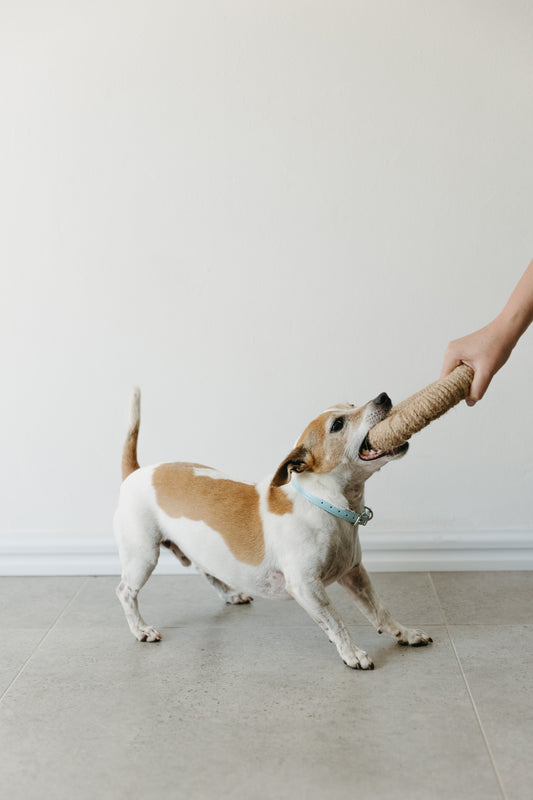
column 486, row 351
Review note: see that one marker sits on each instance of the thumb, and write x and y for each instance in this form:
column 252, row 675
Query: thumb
column 480, row 384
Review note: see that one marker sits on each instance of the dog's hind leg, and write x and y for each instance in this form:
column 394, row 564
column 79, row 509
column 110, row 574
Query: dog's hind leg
column 227, row 594
column 357, row 583
column 224, row 591
column 180, row 555
column 139, row 554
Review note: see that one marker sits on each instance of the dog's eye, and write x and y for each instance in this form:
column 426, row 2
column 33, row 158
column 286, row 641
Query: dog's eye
column 337, row 425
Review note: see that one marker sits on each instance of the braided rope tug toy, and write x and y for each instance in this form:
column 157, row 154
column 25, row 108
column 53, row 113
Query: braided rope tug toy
column 413, row 414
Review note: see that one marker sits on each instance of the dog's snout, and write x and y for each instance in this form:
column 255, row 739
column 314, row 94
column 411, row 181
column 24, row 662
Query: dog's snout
column 382, row 399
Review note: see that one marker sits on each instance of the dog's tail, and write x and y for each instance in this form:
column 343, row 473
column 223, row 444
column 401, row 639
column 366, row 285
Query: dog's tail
column 129, row 452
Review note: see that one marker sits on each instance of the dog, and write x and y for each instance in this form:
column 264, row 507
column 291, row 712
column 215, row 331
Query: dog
column 284, row 537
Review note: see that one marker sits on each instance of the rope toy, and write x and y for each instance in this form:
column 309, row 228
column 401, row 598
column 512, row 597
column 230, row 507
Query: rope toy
column 413, row 414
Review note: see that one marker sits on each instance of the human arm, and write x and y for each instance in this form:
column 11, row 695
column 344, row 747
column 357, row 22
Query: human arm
column 487, row 350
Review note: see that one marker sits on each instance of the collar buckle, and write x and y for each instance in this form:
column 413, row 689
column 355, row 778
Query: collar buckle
column 365, row 517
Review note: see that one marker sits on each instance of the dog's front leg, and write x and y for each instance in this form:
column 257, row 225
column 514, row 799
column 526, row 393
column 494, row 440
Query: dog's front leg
column 358, row 584
column 314, row 599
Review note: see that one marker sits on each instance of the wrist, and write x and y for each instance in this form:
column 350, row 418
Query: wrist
column 510, row 325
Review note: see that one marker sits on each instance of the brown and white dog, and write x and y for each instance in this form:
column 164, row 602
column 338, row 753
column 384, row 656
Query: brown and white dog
column 264, row 539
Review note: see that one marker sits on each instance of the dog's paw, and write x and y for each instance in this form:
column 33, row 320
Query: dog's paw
column 238, row 599
column 148, row 634
column 359, row 660
column 413, row 637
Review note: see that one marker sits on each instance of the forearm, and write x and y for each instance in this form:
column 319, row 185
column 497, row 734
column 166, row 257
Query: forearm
column 517, row 315
column 487, row 350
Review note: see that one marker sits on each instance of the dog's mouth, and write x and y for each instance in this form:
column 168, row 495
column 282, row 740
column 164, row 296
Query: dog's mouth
column 367, row 452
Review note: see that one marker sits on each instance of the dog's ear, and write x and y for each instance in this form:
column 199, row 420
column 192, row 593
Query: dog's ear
column 299, row 460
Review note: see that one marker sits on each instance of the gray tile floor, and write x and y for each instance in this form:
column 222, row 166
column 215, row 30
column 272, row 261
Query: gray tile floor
column 252, row 702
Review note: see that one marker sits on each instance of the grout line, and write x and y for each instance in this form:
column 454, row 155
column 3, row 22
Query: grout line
column 470, row 695
column 42, row 639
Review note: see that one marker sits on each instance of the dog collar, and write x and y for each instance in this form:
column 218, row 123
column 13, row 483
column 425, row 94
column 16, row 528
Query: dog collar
column 343, row 513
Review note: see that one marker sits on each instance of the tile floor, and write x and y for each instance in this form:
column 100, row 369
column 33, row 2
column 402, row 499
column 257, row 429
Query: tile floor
column 252, row 702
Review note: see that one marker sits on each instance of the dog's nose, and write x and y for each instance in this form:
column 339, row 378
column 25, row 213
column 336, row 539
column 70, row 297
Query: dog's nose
column 382, row 399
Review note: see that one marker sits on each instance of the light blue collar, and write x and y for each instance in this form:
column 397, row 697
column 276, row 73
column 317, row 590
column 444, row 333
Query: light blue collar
column 343, row 513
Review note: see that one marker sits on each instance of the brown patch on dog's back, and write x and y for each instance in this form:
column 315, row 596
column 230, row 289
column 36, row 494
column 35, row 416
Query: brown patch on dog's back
column 278, row 502
column 227, row 506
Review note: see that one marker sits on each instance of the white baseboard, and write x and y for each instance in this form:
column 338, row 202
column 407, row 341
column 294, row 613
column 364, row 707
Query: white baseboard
column 96, row 554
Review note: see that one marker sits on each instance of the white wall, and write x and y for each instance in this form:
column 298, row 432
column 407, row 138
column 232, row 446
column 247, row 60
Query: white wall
column 253, row 210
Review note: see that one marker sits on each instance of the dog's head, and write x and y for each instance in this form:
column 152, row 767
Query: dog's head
column 338, row 437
